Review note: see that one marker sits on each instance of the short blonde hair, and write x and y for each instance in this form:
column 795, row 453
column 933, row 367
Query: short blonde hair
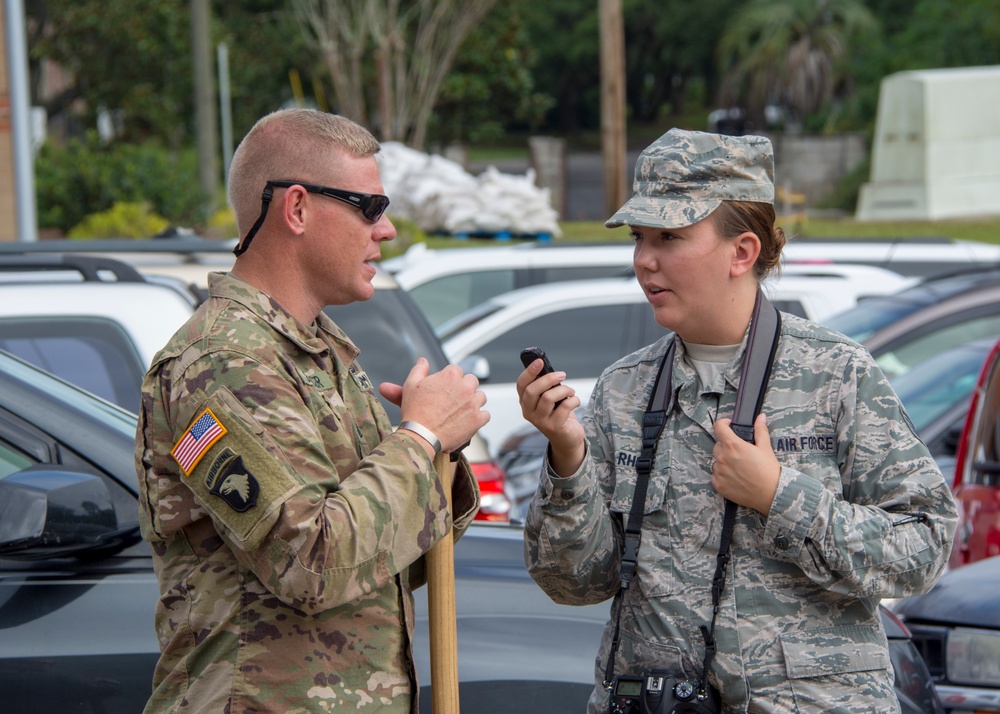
column 290, row 144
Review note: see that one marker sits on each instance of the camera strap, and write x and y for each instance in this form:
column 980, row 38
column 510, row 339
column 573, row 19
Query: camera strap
column 762, row 343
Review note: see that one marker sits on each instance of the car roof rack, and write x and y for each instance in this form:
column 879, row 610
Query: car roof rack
column 91, row 268
column 183, row 244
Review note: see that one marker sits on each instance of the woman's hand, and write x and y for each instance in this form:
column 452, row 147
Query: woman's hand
column 745, row 473
column 549, row 405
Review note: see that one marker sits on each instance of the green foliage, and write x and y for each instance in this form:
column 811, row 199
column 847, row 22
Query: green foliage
column 670, row 55
column 264, row 44
column 492, row 70
column 222, row 224
column 950, row 33
column 129, row 57
column 845, row 193
column 792, row 53
column 122, row 220
column 565, row 36
column 87, row 176
column 407, row 233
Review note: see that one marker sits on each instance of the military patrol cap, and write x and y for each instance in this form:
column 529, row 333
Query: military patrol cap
column 685, row 175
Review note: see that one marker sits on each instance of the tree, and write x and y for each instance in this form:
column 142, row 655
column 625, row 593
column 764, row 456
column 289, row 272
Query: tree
column 402, row 49
column 491, row 87
column 565, row 36
column 791, row 53
column 670, row 52
column 130, row 59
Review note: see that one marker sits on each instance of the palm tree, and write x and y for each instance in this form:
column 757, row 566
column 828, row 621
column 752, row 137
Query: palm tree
column 790, row 53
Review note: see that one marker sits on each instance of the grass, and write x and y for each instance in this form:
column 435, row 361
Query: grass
column 983, row 230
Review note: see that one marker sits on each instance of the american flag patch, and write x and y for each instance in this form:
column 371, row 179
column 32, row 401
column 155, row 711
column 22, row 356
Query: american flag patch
column 197, row 440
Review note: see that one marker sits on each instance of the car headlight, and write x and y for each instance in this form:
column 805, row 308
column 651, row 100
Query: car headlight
column 973, row 657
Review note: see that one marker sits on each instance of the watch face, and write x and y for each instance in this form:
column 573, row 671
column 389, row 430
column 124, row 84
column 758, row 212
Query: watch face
column 684, row 690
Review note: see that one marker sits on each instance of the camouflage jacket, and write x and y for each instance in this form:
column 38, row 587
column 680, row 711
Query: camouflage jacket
column 287, row 519
column 861, row 513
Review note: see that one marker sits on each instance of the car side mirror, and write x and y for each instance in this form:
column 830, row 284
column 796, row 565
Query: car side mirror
column 476, row 365
column 52, row 512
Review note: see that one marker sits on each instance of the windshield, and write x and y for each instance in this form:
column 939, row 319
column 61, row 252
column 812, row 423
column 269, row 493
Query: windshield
column 872, row 314
column 113, row 416
column 391, row 333
column 940, row 383
column 869, row 316
column 466, row 319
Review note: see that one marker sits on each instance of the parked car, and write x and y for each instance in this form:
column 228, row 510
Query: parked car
column 956, row 628
column 447, row 282
column 977, row 470
column 586, row 325
column 93, row 320
column 97, row 321
column 903, row 328
column 918, row 256
column 77, row 588
column 937, row 393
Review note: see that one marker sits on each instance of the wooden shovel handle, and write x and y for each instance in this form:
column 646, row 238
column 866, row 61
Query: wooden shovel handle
column 441, row 610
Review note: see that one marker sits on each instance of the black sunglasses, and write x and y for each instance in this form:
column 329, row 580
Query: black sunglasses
column 371, row 205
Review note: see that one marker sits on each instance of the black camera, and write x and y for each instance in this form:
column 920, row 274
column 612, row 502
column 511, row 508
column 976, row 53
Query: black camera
column 661, row 693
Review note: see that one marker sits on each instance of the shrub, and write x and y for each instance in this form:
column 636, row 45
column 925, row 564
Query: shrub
column 87, row 176
column 407, row 233
column 122, row 220
column 222, row 224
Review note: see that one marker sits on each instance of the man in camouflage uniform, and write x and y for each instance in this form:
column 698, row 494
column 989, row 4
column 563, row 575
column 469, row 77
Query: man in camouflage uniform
column 287, row 519
column 840, row 503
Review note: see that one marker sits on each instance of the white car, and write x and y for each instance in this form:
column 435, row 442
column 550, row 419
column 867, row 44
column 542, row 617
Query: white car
column 447, row 282
column 94, row 322
column 586, row 325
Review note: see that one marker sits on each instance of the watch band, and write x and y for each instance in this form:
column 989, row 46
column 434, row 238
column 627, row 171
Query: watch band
column 423, row 432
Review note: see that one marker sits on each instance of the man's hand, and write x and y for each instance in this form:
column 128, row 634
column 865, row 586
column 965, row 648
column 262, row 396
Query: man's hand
column 745, row 473
column 448, row 402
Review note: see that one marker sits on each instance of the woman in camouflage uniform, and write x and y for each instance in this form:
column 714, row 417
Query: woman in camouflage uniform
column 839, row 502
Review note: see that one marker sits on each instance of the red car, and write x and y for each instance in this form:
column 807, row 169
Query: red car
column 977, row 470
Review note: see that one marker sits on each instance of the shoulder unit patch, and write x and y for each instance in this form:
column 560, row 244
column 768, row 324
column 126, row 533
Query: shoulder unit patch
column 230, row 480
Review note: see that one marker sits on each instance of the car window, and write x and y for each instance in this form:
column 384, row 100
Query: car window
column 577, row 272
column 579, row 341
column 11, row 462
column 869, row 316
column 445, row 297
column 391, row 333
column 92, row 352
column 791, row 306
column 935, row 386
column 903, row 355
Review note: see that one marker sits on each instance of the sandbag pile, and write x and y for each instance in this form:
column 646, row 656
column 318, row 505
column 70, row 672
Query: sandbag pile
column 441, row 197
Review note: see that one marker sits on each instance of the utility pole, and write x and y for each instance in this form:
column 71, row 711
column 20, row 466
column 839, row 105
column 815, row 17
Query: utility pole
column 612, row 30
column 18, row 220
column 206, row 123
